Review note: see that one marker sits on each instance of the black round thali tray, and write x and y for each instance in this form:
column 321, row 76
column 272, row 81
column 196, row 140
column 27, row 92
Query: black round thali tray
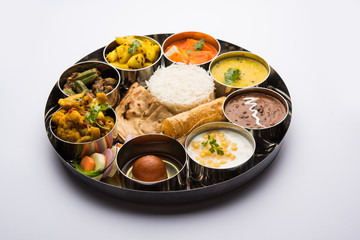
column 262, row 159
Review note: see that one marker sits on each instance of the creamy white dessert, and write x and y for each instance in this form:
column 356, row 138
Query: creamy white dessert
column 220, row 148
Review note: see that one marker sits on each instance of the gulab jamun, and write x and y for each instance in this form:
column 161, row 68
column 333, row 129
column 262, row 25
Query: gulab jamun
column 149, row 168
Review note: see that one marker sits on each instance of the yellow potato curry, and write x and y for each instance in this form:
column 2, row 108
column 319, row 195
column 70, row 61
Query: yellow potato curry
column 133, row 53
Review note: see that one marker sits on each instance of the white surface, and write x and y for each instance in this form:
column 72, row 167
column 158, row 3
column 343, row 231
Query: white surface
column 311, row 191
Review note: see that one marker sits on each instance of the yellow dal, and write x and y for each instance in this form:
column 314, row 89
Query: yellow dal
column 252, row 71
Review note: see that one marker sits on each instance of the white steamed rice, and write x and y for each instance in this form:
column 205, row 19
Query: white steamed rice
column 181, row 87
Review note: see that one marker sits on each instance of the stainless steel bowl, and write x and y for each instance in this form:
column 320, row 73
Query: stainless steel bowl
column 105, row 69
column 266, row 137
column 153, row 144
column 71, row 150
column 195, row 35
column 129, row 76
column 201, row 175
column 222, row 89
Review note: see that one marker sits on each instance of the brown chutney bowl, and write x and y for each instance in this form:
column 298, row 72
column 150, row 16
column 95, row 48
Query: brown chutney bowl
column 266, row 136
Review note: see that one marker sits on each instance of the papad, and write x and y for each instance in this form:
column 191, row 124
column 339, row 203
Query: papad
column 183, row 123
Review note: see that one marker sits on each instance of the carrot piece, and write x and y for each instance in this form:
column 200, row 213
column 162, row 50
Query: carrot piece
column 189, row 44
column 96, row 147
column 209, row 47
column 186, row 47
column 108, row 142
column 185, row 56
column 179, row 56
column 87, row 163
column 199, row 57
column 182, row 44
column 85, row 150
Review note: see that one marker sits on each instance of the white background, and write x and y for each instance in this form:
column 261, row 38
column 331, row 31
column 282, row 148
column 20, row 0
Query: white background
column 312, row 189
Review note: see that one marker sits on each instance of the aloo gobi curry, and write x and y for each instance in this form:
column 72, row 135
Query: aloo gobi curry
column 82, row 118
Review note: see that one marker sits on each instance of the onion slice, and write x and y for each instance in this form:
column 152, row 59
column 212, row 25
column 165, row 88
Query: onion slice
column 109, row 161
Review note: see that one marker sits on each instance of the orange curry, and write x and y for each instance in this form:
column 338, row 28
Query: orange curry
column 191, row 51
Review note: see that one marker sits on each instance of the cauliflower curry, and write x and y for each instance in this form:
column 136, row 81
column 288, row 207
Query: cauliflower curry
column 82, row 118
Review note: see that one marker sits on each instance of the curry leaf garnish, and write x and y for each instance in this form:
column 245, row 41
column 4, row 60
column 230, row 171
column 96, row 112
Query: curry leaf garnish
column 199, row 45
column 232, row 75
column 214, row 146
column 134, row 45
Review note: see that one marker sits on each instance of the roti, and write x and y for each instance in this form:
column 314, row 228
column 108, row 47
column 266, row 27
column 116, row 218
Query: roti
column 139, row 113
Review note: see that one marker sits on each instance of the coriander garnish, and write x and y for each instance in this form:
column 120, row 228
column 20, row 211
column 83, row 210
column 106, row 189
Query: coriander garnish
column 134, row 45
column 94, row 111
column 214, row 146
column 199, row 45
column 232, row 75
